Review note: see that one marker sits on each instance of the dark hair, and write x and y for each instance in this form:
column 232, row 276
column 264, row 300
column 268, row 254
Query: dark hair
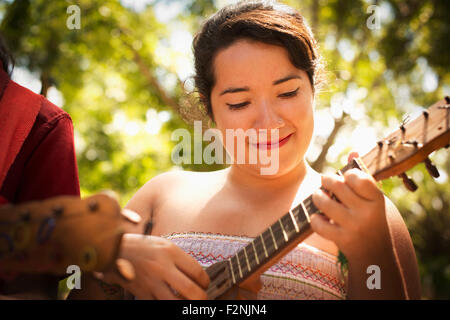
column 6, row 57
column 264, row 21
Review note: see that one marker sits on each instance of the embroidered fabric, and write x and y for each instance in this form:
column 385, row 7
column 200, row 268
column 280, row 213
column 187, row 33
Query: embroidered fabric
column 304, row 273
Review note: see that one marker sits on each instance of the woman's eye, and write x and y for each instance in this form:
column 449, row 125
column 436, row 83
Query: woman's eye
column 238, row 105
column 289, row 94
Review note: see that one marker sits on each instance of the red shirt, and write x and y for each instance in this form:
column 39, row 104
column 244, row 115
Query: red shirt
column 45, row 167
column 46, row 164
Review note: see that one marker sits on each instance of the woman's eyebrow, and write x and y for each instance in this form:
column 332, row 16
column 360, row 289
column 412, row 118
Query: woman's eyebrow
column 234, row 90
column 290, row 77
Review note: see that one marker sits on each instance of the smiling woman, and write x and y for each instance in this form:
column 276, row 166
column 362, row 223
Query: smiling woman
column 282, row 27
column 257, row 68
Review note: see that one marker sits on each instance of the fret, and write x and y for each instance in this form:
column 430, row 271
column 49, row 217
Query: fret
column 259, row 247
column 273, row 238
column 310, row 205
column 268, row 241
column 254, row 251
column 238, row 270
column 286, row 238
column 294, row 221
column 264, row 245
column 246, row 258
column 278, row 234
column 297, row 212
column 253, row 257
column 232, row 272
column 305, row 211
column 242, row 260
column 300, row 216
column 239, row 265
column 287, row 225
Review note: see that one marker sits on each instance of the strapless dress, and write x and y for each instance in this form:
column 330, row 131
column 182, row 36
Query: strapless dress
column 305, row 273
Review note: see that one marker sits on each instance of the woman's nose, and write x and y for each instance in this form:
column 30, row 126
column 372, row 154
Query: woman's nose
column 267, row 117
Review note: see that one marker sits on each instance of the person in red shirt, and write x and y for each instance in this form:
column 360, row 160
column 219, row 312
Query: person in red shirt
column 37, row 154
column 37, row 160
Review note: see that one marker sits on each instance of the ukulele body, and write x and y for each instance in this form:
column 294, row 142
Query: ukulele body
column 46, row 237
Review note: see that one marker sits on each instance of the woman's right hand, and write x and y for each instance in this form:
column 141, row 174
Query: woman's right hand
column 159, row 266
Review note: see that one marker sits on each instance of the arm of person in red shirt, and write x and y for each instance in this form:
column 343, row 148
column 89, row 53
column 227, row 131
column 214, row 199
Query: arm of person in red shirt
column 52, row 168
column 50, row 171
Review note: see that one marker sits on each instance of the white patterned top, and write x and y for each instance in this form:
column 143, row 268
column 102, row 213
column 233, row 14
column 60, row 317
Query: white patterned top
column 304, row 273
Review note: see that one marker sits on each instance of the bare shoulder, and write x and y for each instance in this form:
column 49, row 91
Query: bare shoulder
column 172, row 186
column 148, row 196
column 404, row 248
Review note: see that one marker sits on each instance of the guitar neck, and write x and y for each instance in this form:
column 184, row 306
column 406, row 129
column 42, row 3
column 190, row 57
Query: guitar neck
column 293, row 227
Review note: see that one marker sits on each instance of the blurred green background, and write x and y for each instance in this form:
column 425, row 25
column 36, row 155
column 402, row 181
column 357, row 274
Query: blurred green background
column 120, row 76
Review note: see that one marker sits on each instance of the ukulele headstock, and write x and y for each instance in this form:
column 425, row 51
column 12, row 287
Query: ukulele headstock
column 411, row 144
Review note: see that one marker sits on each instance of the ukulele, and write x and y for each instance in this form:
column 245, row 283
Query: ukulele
column 51, row 235
column 238, row 276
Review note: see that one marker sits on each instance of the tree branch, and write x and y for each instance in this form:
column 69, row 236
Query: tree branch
column 319, row 163
column 153, row 82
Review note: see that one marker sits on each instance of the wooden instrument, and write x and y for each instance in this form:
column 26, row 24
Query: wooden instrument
column 48, row 236
column 398, row 152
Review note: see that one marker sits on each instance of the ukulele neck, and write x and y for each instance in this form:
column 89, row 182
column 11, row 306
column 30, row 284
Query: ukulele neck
column 293, row 227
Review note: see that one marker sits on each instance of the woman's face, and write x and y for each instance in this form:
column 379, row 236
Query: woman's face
column 257, row 87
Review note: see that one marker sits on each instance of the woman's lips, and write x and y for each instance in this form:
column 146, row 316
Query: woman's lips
column 271, row 145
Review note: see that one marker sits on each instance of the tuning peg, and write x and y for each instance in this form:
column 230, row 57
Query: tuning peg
column 408, row 182
column 431, row 168
column 414, row 143
column 391, row 157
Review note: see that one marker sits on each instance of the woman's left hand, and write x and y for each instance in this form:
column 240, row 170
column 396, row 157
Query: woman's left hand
column 358, row 221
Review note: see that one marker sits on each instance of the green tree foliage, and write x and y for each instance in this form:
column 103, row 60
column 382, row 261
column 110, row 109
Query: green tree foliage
column 122, row 82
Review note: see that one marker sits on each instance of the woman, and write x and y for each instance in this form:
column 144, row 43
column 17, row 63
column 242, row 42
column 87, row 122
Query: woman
column 257, row 68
